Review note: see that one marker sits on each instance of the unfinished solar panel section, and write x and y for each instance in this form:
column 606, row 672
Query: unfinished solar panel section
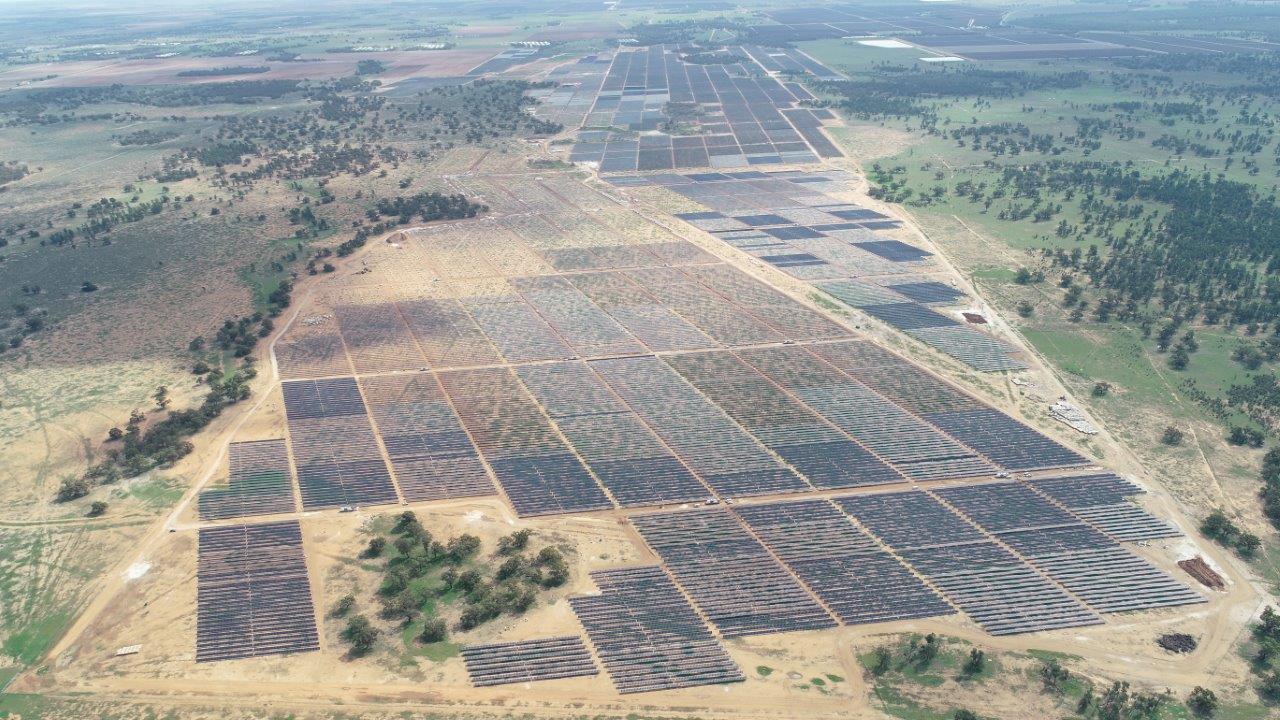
column 854, row 576
column 431, row 455
column 1091, row 565
column 1103, row 500
column 994, row 587
column 252, row 593
column 816, row 449
column 647, row 634
column 727, row 459
column 627, row 457
column 527, row 661
column 917, row 449
column 259, row 483
column 738, row 585
column 334, row 448
column 538, row 470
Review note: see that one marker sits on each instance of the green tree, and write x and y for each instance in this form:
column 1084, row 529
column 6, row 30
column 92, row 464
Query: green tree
column 97, row 508
column 361, row 634
column 375, row 548
column 1202, row 702
column 974, row 663
column 344, row 605
column 433, row 631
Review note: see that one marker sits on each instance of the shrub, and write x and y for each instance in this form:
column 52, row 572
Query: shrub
column 361, row 634
column 433, row 631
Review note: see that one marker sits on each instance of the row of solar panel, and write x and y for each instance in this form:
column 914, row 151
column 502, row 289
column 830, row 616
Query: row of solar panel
column 651, row 431
column 648, row 636
column 791, row 229
column 594, row 314
column 987, row 549
column 253, row 595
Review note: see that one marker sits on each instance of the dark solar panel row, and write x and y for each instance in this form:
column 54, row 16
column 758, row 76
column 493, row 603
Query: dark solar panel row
column 331, row 397
column 538, row 471
column 259, row 483
column 630, row 461
column 729, row 574
column 975, row 348
column 911, row 445
column 928, row 292
column 1103, row 500
column 1086, row 562
column 430, row 453
column 990, row 584
column 908, row 316
column 894, row 250
column 1097, row 570
column 527, row 661
column 648, row 636
column 815, row 448
column 858, row 580
column 1005, row 441
column 722, row 454
column 334, row 448
column 252, row 593
column 1001, row 507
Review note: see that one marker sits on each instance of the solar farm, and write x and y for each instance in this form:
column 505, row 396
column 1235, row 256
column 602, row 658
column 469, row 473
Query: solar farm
column 690, row 401
column 776, row 471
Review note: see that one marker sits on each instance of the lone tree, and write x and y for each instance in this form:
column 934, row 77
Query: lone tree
column 97, row 508
column 433, row 631
column 361, row 634
column 1172, row 436
column 974, row 663
column 1203, row 702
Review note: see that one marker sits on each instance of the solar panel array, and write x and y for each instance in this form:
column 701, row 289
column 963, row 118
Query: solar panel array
column 430, row 453
column 627, row 457
column 648, row 636
column 259, row 483
column 1005, row 441
column 826, row 457
column 856, row 578
column 729, row 460
column 1103, row 501
column 538, row 470
column 252, row 593
column 740, row 587
column 527, row 661
column 990, row 584
column 791, row 221
column 911, row 445
column 742, row 117
column 334, row 449
column 312, row 348
column 1089, row 564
